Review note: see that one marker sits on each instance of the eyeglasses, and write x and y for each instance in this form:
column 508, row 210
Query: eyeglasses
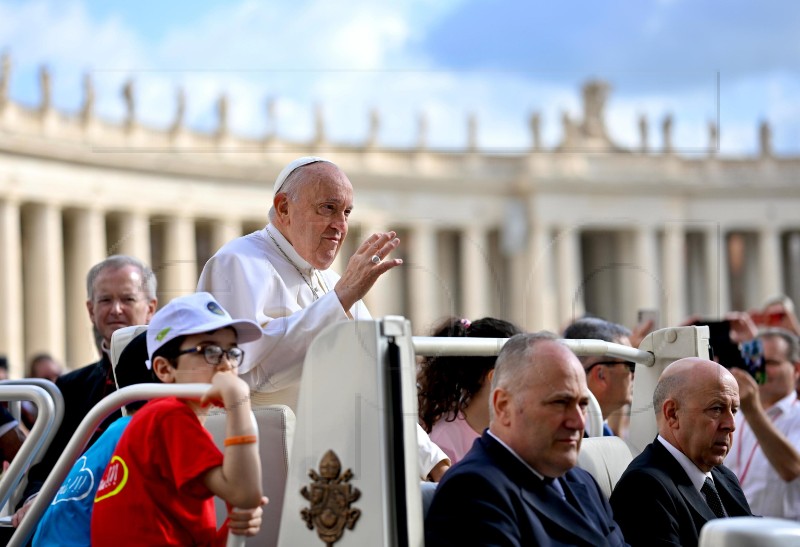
column 630, row 364
column 213, row 354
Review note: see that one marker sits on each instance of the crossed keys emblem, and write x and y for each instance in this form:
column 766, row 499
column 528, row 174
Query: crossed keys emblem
column 330, row 495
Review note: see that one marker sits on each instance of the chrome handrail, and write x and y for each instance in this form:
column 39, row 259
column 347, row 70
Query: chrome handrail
column 43, row 429
column 58, row 403
column 80, row 439
column 470, row 347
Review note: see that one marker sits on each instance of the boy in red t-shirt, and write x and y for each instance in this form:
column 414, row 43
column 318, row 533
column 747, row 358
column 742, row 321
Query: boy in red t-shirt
column 158, row 488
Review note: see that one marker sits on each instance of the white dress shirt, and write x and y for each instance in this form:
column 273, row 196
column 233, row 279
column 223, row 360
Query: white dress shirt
column 696, row 475
column 767, row 493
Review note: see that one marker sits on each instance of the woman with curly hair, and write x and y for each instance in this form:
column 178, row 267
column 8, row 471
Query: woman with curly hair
column 454, row 391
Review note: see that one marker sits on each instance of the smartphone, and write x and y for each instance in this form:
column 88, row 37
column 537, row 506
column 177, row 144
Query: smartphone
column 753, row 355
column 645, row 315
column 748, row 356
column 772, row 319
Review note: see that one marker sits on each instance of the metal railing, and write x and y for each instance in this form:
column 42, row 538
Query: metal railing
column 468, row 347
column 58, row 404
column 42, row 432
column 81, row 437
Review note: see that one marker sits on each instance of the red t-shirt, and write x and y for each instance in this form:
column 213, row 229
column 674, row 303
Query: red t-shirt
column 152, row 492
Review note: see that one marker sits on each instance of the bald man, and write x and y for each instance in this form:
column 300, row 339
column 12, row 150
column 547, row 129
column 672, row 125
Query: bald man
column 518, row 485
column 678, row 483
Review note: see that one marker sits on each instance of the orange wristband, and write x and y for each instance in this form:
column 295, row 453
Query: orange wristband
column 241, row 439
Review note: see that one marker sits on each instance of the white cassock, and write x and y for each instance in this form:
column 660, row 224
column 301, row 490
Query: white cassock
column 261, row 277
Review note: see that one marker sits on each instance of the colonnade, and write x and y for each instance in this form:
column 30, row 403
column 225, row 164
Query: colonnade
column 537, row 238
column 47, row 251
column 560, row 272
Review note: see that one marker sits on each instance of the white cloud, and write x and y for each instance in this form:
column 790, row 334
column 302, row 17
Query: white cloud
column 349, row 59
column 63, row 36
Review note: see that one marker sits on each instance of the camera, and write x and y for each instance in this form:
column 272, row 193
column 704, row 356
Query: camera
column 747, row 355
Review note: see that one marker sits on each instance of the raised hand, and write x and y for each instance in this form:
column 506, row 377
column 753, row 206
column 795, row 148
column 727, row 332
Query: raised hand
column 742, row 326
column 748, row 390
column 364, row 268
column 227, row 390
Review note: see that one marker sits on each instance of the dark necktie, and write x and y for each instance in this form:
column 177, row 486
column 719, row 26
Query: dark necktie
column 712, row 498
column 554, row 485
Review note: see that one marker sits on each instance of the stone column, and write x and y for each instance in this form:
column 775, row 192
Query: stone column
column 85, row 246
column 519, row 307
column 674, row 273
column 177, row 274
column 769, row 263
column 717, row 274
column 44, row 281
column 380, row 299
column 134, row 237
column 422, row 277
column 351, row 243
column 792, row 257
column 11, row 333
column 223, row 231
column 649, row 283
column 476, row 272
column 570, row 296
column 535, row 294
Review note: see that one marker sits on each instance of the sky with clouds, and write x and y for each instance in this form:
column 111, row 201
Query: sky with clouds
column 445, row 59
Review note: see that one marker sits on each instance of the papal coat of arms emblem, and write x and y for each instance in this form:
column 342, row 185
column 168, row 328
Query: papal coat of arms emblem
column 330, row 495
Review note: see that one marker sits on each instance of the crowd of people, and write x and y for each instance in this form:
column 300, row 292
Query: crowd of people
column 500, row 436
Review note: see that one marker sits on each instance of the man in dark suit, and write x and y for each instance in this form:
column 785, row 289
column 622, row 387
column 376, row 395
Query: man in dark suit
column 679, row 483
column 518, row 485
column 121, row 292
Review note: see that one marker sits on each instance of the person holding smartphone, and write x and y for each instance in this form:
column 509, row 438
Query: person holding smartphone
column 778, row 312
column 764, row 454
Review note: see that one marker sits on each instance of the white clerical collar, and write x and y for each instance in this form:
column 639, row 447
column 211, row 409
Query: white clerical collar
column 284, row 245
column 695, row 474
column 499, row 440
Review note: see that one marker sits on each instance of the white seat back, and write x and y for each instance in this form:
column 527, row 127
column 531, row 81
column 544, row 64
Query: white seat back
column 275, row 432
column 606, row 458
column 750, row 532
column 667, row 345
column 358, row 402
column 119, row 341
column 594, row 417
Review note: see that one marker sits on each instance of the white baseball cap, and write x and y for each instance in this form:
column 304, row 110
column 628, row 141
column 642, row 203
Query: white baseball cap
column 299, row 162
column 194, row 314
